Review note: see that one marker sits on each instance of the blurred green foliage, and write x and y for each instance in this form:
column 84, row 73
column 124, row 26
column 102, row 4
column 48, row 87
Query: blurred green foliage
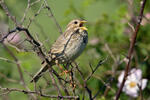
column 107, row 24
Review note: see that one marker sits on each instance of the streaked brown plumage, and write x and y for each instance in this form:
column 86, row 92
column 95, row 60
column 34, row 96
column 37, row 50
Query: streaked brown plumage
column 67, row 47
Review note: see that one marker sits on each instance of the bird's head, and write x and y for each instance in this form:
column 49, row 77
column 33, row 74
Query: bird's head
column 77, row 23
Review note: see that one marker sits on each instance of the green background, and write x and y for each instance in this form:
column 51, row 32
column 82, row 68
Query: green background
column 107, row 23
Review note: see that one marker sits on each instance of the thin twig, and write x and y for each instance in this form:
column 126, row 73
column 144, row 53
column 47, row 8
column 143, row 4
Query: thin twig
column 25, row 12
column 35, row 15
column 53, row 17
column 60, row 82
column 8, row 90
column 8, row 13
column 7, row 60
column 19, row 69
column 54, row 83
column 93, row 71
column 33, row 3
column 85, row 82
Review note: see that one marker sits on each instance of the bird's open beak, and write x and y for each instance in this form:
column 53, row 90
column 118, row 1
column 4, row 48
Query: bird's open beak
column 81, row 25
column 83, row 21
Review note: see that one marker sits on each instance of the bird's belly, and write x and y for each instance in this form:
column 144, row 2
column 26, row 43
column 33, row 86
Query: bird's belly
column 73, row 51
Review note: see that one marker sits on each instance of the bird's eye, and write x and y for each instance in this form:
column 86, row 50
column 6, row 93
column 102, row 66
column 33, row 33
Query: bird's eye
column 75, row 22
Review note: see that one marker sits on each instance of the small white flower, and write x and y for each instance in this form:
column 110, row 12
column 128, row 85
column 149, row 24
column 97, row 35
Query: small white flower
column 134, row 80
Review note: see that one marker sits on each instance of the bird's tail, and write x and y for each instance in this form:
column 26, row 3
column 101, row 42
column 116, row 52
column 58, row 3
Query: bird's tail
column 40, row 72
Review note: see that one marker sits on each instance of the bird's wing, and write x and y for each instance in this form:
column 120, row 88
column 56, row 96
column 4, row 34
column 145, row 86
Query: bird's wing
column 58, row 46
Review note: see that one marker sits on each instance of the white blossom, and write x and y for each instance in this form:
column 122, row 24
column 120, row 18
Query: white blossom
column 132, row 83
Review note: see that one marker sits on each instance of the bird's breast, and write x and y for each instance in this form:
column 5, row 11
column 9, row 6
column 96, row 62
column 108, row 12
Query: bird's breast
column 76, row 45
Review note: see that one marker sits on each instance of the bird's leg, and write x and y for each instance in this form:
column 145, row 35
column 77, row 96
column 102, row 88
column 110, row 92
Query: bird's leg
column 67, row 68
column 66, row 71
column 72, row 82
column 61, row 68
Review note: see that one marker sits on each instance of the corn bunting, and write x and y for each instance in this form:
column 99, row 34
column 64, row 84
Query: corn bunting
column 67, row 47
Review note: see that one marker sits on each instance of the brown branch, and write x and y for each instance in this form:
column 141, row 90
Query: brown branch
column 132, row 44
column 8, row 90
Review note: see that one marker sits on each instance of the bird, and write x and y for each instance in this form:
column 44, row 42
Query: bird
column 69, row 45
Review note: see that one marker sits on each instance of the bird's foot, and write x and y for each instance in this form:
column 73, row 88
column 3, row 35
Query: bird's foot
column 65, row 72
